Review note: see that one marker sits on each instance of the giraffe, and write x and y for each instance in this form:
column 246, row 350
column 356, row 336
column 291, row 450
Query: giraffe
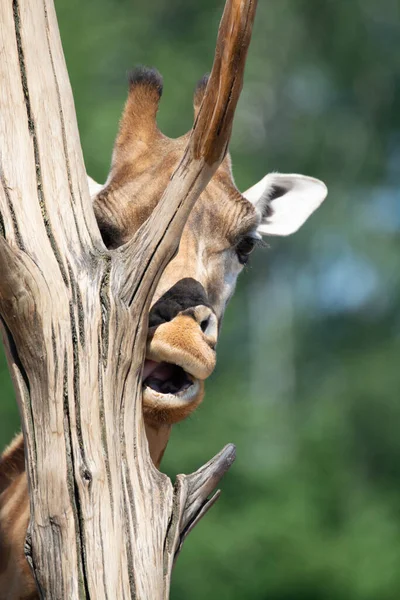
column 189, row 302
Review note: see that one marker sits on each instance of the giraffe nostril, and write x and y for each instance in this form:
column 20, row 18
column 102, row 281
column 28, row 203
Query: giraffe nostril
column 208, row 324
column 204, row 324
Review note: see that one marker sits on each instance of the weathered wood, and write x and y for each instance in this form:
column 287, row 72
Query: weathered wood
column 104, row 522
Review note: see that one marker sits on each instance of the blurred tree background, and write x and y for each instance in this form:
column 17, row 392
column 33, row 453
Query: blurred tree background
column 308, row 378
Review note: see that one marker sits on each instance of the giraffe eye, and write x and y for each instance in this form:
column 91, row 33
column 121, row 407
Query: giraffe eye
column 244, row 248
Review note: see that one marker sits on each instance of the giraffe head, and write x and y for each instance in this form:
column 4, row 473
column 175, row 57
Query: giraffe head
column 221, row 232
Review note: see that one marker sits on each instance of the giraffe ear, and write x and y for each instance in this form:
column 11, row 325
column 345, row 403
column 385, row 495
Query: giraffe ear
column 94, row 187
column 285, row 201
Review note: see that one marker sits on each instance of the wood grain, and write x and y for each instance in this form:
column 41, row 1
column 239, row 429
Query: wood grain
column 105, row 523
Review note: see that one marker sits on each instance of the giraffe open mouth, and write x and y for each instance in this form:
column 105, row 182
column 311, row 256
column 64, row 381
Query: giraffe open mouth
column 178, row 361
column 163, row 379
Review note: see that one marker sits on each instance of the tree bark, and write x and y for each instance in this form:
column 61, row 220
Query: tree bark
column 104, row 522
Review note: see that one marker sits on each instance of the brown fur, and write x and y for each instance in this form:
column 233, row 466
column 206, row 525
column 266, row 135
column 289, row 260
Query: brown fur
column 16, row 581
column 12, row 462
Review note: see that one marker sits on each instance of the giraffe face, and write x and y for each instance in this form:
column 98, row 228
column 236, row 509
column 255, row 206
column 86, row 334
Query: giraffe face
column 221, row 232
column 191, row 297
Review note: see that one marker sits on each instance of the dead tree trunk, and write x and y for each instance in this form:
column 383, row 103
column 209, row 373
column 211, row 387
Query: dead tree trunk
column 104, row 522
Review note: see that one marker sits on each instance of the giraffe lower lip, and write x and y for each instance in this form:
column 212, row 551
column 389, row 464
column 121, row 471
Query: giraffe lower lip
column 160, row 402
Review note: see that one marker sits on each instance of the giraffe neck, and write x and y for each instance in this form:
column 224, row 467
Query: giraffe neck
column 158, row 437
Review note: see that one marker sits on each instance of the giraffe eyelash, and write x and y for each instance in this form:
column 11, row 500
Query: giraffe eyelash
column 261, row 243
column 245, row 246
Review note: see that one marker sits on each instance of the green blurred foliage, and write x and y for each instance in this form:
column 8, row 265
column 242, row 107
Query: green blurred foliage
column 308, row 376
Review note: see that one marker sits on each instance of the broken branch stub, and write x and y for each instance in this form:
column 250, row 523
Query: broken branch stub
column 197, row 488
column 104, row 522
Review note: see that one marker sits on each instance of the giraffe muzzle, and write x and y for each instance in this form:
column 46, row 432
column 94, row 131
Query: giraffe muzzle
column 180, row 356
